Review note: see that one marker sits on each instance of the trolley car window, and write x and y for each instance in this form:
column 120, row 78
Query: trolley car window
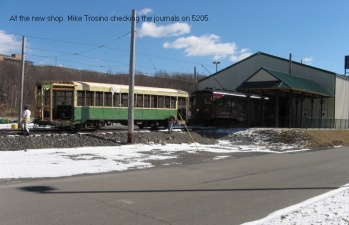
column 231, row 105
column 193, row 100
column 124, row 100
column 89, row 98
column 139, row 100
column 99, row 98
column 208, row 101
column 221, row 103
column 153, row 101
column 161, row 102
column 63, row 97
column 46, row 97
column 146, row 101
column 39, row 99
column 81, row 98
column 116, row 100
column 182, row 102
column 107, row 99
column 167, row 102
column 173, row 102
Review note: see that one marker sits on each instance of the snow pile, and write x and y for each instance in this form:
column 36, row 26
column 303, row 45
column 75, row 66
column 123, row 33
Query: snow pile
column 274, row 139
column 329, row 208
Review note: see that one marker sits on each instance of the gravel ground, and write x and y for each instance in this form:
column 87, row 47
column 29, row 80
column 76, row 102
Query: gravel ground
column 275, row 138
column 20, row 142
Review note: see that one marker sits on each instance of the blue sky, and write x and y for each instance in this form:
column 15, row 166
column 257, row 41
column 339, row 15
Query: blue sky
column 227, row 31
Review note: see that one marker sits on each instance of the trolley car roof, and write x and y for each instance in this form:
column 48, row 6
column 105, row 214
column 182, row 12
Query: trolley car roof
column 270, row 81
column 115, row 88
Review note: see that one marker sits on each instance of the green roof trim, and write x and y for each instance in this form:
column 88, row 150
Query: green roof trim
column 285, row 81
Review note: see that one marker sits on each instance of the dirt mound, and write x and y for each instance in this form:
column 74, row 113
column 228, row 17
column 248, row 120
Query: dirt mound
column 279, row 138
column 327, row 138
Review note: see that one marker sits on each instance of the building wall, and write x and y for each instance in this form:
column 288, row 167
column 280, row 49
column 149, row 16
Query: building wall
column 342, row 95
column 327, row 108
column 13, row 58
column 231, row 77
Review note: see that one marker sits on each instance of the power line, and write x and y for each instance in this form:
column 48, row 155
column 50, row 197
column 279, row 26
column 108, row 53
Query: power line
column 104, row 46
column 100, row 46
column 151, row 61
column 109, row 67
column 88, row 64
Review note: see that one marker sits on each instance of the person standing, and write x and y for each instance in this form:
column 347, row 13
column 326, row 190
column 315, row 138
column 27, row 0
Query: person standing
column 25, row 120
column 171, row 121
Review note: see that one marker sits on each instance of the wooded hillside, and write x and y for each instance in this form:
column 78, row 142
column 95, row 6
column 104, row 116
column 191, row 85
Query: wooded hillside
column 10, row 75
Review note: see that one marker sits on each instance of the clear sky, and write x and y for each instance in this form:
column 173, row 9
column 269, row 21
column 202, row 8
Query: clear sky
column 95, row 35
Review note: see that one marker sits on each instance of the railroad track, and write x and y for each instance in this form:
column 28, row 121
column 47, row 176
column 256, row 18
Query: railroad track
column 118, row 128
column 41, row 131
column 38, row 131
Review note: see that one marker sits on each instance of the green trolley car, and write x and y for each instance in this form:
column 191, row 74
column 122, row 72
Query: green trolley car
column 76, row 104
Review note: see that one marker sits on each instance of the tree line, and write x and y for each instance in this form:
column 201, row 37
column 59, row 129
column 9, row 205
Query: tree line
column 10, row 73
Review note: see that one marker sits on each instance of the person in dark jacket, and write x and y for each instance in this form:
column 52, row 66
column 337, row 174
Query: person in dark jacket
column 171, row 121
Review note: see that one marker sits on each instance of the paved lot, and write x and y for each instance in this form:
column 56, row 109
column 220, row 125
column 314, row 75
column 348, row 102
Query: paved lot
column 231, row 191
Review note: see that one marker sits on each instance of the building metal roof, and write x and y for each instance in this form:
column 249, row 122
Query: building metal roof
column 272, row 56
column 268, row 80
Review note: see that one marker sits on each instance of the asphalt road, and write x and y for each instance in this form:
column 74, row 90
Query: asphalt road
column 230, row 191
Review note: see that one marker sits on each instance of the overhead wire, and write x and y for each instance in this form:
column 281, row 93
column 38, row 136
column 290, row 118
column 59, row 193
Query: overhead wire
column 88, row 64
column 108, row 67
column 99, row 46
column 151, row 61
column 104, row 46
column 95, row 47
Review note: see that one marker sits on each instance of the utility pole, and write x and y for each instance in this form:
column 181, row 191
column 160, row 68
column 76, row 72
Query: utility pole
column 290, row 64
column 131, row 136
column 196, row 78
column 21, row 81
column 216, row 65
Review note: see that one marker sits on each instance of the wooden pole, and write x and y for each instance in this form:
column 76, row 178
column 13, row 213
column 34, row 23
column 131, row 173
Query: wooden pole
column 21, row 81
column 130, row 137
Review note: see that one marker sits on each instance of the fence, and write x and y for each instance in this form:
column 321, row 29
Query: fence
column 322, row 123
column 300, row 122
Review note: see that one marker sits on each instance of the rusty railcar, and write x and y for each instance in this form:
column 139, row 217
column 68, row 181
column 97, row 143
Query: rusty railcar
column 219, row 107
